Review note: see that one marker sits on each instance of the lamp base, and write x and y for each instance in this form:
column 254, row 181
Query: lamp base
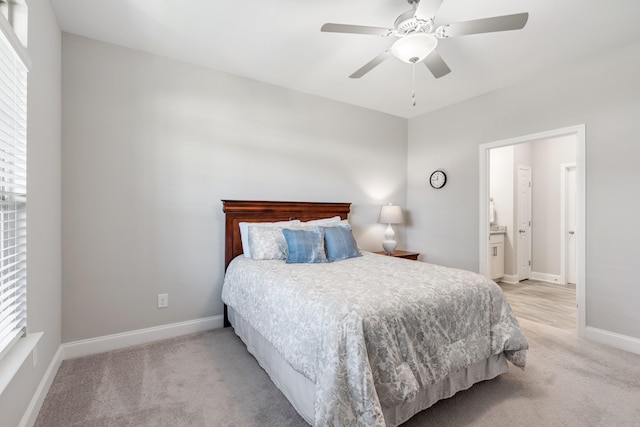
column 389, row 246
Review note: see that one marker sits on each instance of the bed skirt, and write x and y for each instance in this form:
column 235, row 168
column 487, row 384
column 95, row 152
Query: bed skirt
column 299, row 390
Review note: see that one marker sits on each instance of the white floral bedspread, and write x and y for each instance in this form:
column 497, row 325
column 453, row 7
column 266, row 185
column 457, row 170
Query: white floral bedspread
column 369, row 331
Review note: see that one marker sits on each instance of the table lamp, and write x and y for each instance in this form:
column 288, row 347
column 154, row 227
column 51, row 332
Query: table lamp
column 390, row 214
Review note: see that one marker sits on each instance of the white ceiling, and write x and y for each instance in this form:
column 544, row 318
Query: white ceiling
column 279, row 42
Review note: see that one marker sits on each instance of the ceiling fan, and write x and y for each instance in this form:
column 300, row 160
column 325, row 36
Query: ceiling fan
column 418, row 37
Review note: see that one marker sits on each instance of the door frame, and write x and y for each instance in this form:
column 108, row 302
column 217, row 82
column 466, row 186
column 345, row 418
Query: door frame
column 564, row 169
column 580, row 133
column 519, row 245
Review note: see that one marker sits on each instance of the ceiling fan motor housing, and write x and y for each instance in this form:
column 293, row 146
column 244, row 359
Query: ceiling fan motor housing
column 407, row 23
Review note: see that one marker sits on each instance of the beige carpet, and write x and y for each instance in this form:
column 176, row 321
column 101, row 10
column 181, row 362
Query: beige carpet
column 209, row 379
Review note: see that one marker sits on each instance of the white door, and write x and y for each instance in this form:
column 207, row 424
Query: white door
column 570, row 197
column 524, row 222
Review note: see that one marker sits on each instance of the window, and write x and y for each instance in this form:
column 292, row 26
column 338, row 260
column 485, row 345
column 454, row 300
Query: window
column 13, row 191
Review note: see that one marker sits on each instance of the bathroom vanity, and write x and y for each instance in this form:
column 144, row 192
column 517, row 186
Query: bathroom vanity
column 496, row 254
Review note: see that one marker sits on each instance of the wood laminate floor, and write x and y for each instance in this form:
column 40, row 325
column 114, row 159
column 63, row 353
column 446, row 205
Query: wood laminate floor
column 548, row 303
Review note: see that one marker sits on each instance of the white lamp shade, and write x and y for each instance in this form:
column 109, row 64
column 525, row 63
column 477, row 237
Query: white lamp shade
column 391, row 214
column 414, row 47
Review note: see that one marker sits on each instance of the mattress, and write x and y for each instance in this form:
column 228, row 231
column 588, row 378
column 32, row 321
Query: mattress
column 378, row 338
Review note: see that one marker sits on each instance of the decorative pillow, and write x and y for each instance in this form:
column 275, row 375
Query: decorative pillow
column 267, row 243
column 340, row 243
column 305, row 246
column 323, row 221
column 244, row 231
column 306, row 226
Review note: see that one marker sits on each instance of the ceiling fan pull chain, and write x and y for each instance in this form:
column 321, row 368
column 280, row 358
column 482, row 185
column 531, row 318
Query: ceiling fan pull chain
column 413, row 94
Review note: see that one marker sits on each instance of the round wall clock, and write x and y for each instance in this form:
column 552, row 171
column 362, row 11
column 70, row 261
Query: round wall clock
column 438, row 179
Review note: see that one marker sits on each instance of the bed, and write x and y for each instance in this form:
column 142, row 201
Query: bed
column 369, row 340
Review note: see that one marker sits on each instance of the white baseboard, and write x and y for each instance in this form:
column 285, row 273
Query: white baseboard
column 31, row 414
column 140, row 336
column 510, row 279
column 613, row 339
column 544, row 277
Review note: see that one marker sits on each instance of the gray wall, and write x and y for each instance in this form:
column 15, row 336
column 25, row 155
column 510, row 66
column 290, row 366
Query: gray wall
column 151, row 145
column 600, row 92
column 44, row 208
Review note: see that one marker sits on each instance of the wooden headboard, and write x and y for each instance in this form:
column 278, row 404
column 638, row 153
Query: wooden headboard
column 237, row 211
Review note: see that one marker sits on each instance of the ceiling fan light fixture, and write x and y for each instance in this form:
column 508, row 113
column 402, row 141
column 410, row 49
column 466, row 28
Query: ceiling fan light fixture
column 414, row 47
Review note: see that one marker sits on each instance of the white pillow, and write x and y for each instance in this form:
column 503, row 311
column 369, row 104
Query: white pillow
column 334, row 223
column 341, row 223
column 244, row 231
column 323, row 221
column 267, row 243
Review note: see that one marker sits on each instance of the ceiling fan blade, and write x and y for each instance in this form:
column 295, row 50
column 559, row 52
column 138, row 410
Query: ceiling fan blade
column 355, row 29
column 436, row 65
column 486, row 25
column 427, row 9
column 370, row 65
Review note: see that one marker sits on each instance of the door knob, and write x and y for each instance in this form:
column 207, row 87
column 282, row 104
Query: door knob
column 521, row 231
column 572, row 232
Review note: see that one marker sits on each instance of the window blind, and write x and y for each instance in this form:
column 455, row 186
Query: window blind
column 13, row 196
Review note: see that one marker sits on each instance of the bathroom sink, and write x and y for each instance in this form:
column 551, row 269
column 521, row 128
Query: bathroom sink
column 500, row 229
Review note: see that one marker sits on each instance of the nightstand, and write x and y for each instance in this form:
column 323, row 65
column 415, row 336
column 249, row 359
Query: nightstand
column 402, row 254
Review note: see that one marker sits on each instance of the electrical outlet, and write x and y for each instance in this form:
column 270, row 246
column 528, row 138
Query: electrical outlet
column 163, row 300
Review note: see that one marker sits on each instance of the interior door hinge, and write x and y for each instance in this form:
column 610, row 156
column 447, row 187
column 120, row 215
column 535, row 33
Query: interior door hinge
column 529, row 263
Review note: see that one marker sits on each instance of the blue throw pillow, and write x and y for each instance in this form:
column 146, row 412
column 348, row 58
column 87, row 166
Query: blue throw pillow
column 340, row 243
column 305, row 246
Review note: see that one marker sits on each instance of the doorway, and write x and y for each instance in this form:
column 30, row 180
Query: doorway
column 578, row 236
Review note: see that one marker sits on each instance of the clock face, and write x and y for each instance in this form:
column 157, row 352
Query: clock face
column 438, row 179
